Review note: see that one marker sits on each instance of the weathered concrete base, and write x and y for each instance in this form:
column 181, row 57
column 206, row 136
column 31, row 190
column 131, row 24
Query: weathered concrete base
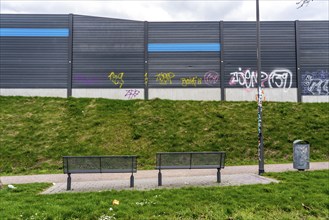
column 324, row 98
column 270, row 94
column 34, row 92
column 201, row 94
column 123, row 94
column 206, row 94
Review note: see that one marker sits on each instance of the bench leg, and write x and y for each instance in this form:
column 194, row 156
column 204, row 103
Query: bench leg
column 68, row 182
column 218, row 176
column 159, row 178
column 132, row 180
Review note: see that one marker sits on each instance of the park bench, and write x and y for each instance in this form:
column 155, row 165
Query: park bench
column 99, row 164
column 190, row 160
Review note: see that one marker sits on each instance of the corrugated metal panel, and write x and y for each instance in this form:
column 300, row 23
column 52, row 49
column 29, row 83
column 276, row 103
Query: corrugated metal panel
column 314, row 57
column 110, row 53
column 183, row 64
column 34, row 59
column 278, row 54
column 107, row 53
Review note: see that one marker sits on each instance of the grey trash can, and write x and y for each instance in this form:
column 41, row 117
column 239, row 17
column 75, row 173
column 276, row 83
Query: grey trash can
column 301, row 155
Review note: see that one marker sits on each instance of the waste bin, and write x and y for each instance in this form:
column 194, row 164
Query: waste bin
column 301, row 155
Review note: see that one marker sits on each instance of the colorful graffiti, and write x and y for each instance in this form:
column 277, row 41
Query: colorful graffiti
column 165, row 78
column 278, row 78
column 211, row 78
column 117, row 79
column 193, row 81
column 259, row 121
column 315, row 83
column 263, row 96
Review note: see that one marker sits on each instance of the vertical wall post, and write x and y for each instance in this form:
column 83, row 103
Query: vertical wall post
column 70, row 57
column 222, row 67
column 261, row 169
column 146, row 65
column 299, row 78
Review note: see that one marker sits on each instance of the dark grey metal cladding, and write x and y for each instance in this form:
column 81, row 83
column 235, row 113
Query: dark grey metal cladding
column 30, row 61
column 314, row 57
column 278, row 54
column 33, row 21
column 179, row 69
column 102, row 46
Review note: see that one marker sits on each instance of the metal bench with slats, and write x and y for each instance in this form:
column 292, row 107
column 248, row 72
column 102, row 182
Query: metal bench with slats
column 99, row 164
column 190, row 160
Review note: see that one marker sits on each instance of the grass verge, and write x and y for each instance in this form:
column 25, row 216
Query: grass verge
column 299, row 195
column 36, row 132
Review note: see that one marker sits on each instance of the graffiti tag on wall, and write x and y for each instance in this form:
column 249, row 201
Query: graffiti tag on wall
column 165, row 78
column 278, row 78
column 193, row 81
column 117, row 79
column 211, row 78
column 315, row 83
column 132, row 93
column 146, row 79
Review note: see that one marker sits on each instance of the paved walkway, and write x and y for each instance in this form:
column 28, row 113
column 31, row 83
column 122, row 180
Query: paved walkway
column 147, row 179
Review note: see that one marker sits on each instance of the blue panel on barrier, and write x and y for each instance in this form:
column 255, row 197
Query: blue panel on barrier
column 183, row 47
column 34, row 32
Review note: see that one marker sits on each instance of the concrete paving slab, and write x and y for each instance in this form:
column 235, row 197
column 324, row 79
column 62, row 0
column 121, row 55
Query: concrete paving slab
column 147, row 179
column 169, row 182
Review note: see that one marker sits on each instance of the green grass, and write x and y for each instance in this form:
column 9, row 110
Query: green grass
column 37, row 132
column 299, row 195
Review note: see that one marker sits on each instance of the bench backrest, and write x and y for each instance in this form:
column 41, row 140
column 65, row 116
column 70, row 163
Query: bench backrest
column 190, row 160
column 100, row 164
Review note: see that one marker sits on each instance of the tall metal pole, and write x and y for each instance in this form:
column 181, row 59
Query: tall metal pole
column 260, row 101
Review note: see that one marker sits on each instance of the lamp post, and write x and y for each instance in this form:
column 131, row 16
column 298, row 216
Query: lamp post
column 260, row 98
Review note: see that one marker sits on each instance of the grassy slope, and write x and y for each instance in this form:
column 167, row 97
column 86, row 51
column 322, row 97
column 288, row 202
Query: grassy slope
column 37, row 132
column 299, row 195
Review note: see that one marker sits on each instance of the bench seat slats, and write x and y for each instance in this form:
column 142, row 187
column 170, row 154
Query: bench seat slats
column 190, row 160
column 188, row 167
column 100, row 164
column 102, row 171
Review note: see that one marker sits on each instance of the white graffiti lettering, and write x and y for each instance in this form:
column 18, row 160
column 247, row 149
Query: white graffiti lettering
column 278, row 78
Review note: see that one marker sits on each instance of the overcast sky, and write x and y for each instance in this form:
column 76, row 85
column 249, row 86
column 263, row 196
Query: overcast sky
column 173, row 10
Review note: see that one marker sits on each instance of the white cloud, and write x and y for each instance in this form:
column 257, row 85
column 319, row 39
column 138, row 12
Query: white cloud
column 206, row 10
